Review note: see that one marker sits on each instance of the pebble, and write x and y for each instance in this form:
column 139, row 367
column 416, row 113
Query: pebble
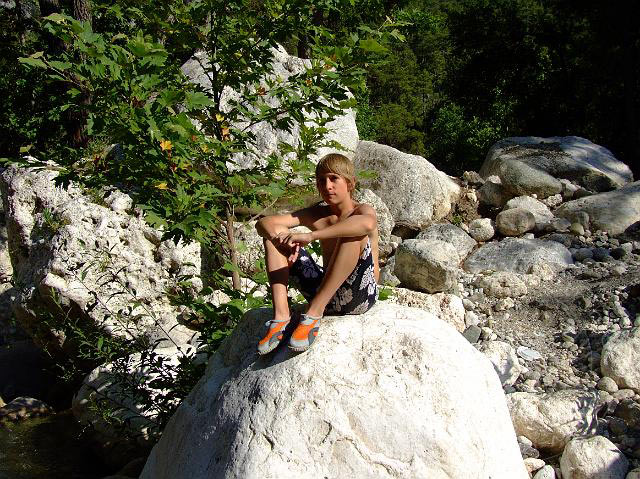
column 468, row 304
column 623, row 394
column 472, row 333
column 618, row 253
column 582, row 253
column 471, row 318
column 577, row 229
column 600, row 254
column 525, row 440
column 617, row 426
column 528, row 354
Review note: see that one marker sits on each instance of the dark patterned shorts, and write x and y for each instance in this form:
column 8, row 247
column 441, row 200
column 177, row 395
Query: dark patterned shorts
column 355, row 296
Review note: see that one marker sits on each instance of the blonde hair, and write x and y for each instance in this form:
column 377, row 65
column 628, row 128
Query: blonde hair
column 340, row 165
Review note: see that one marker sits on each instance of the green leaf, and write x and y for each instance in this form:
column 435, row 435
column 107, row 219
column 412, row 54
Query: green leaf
column 57, row 18
column 33, row 62
column 372, row 46
column 197, row 100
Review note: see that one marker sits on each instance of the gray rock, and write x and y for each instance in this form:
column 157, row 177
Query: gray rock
column 614, row 211
column 618, row 253
column 515, row 221
column 456, row 237
column 540, row 211
column 247, row 408
column 23, row 408
column 607, row 384
column 492, row 193
column 600, row 254
column 416, row 193
column 570, row 157
column 582, row 253
column 427, row 265
column 528, row 354
column 472, row 333
column 595, row 457
column 546, row 472
column 577, row 229
column 473, row 178
column 517, row 255
column 481, row 229
column 342, row 130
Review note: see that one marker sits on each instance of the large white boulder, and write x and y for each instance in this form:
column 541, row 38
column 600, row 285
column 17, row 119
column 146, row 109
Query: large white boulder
column 452, row 234
column 267, row 138
column 427, row 265
column 385, row 219
column 593, row 458
column 620, row 358
column 415, row 191
column 550, row 420
column 518, row 255
column 393, row 393
column 532, row 164
column 614, row 211
column 447, row 307
column 75, row 257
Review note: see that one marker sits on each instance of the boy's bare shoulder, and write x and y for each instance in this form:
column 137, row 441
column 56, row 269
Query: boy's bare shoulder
column 364, row 209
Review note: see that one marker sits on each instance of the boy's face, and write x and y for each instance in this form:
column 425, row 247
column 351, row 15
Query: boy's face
column 333, row 187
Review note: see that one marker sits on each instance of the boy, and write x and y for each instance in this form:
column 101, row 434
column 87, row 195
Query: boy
column 348, row 234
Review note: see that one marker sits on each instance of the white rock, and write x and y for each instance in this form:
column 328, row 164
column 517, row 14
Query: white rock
column 620, row 358
column 551, row 420
column 517, row 255
column 585, row 163
column 593, row 458
column 427, row 265
column 385, row 220
column 547, row 472
column 502, row 284
column 532, row 464
column 635, row 474
column 65, row 245
column 528, row 354
column 341, row 409
column 461, row 241
column 492, row 193
column 342, row 130
column 504, row 360
column 540, row 211
column 416, row 193
column 613, row 211
column 481, row 229
column 515, row 221
column 447, row 307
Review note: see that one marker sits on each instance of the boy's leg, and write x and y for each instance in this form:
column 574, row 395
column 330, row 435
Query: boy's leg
column 278, row 274
column 342, row 263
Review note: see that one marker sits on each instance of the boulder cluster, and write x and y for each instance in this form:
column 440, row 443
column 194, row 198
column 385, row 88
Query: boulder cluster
column 508, row 348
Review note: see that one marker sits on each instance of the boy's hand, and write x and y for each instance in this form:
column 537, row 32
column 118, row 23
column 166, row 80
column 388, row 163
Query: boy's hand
column 300, row 239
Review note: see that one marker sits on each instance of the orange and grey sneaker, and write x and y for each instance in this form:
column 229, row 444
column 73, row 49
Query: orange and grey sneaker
column 306, row 332
column 273, row 337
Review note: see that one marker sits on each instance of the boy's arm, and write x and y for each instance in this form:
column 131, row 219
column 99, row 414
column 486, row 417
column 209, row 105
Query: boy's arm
column 270, row 226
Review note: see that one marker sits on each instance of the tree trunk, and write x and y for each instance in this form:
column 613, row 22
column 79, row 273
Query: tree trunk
column 233, row 254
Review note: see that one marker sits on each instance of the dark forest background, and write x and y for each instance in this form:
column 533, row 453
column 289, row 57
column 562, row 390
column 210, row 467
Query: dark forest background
column 469, row 72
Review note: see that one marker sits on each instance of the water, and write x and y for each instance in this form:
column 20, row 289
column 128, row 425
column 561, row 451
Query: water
column 47, row 448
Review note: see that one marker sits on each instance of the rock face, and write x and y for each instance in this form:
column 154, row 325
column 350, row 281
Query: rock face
column 342, row 130
column 613, row 212
column 515, row 221
column 64, row 248
column 517, row 256
column 416, row 193
column 593, row 458
column 531, row 165
column 461, row 241
column 621, row 357
column 427, row 265
column 549, row 421
column 392, row 393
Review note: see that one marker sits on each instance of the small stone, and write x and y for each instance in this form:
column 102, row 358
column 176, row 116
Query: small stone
column 533, row 464
column 617, row 426
column 607, row 384
column 582, row 253
column 547, row 472
column 472, row 334
column 618, row 253
column 524, row 440
column 471, row 318
column 623, row 394
column 600, row 254
column 577, row 229
column 468, row 304
column 528, row 354
column 528, row 451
